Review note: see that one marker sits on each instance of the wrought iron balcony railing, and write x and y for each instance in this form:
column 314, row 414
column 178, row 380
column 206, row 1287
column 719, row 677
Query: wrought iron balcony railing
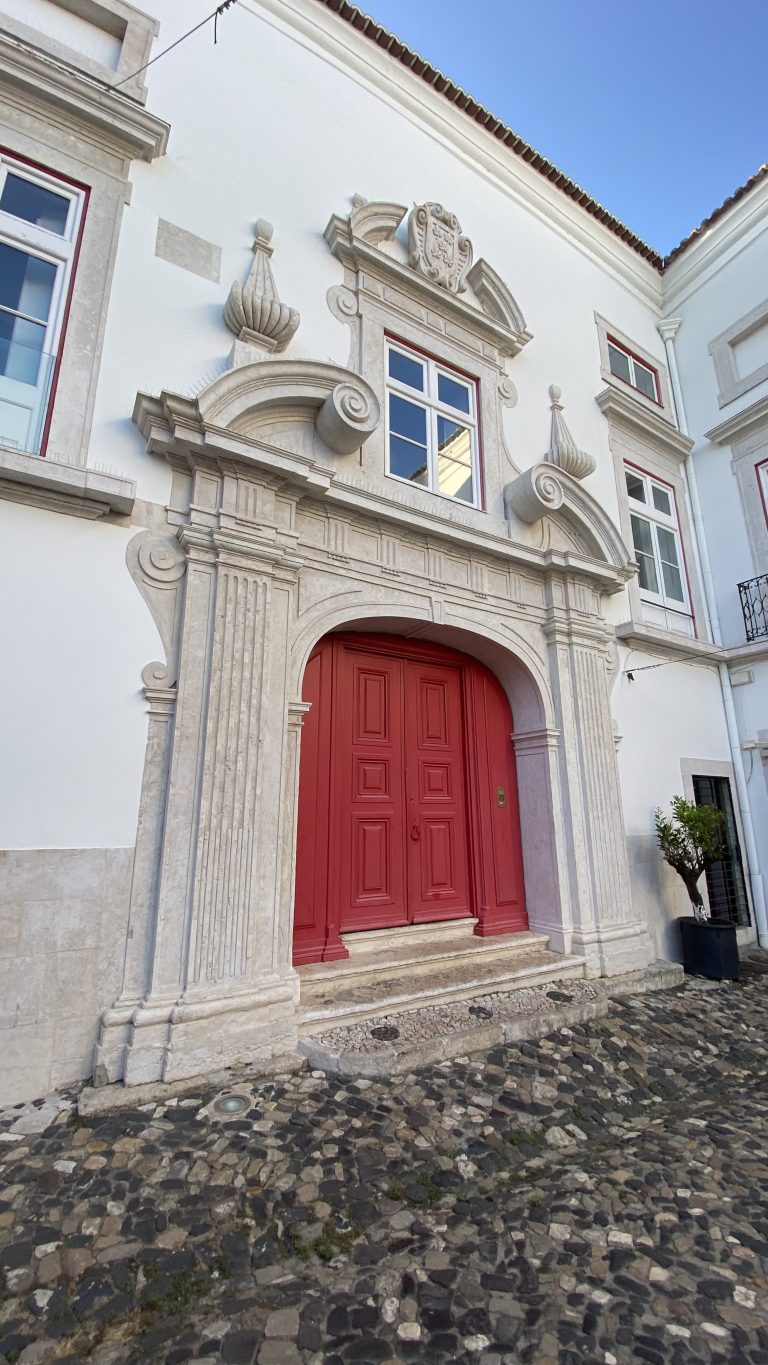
column 754, row 605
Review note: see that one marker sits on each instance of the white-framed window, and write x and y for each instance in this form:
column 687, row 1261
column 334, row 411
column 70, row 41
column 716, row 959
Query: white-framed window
column 624, row 365
column 656, row 540
column 432, row 425
column 40, row 218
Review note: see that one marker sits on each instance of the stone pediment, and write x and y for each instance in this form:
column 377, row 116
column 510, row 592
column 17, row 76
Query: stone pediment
column 432, row 269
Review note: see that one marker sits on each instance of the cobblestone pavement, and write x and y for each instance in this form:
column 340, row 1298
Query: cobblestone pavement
column 601, row 1196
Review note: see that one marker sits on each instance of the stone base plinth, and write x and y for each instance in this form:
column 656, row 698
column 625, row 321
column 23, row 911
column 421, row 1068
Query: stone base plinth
column 155, row 1041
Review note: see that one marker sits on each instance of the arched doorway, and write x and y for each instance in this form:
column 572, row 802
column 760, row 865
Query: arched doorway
column 408, row 809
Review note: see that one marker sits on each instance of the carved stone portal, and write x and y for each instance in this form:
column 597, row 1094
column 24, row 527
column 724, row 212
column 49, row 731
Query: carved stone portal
column 438, row 248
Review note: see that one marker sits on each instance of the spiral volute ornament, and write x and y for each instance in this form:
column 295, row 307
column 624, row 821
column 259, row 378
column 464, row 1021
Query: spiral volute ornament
column 349, row 415
column 534, row 494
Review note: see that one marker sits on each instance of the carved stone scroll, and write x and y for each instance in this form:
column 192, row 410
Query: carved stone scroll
column 157, row 565
column 534, row 494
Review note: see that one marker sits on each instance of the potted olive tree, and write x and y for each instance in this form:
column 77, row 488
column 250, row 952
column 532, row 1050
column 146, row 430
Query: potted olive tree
column 690, row 841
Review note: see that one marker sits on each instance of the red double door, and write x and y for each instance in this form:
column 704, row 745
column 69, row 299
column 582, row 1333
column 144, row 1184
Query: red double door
column 407, row 795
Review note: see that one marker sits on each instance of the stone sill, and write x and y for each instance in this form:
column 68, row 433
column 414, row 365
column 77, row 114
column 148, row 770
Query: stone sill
column 755, row 652
column 668, row 642
column 73, row 489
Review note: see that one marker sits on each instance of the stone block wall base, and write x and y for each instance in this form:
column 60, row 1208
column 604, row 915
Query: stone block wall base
column 146, row 1043
column 612, row 952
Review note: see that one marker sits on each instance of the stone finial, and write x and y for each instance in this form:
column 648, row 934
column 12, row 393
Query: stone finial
column 563, row 450
column 437, row 247
column 253, row 310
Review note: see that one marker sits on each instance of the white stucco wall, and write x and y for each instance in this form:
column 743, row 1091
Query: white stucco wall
column 72, row 715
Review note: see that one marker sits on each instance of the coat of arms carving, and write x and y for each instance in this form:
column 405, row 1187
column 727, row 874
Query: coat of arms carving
column 437, row 247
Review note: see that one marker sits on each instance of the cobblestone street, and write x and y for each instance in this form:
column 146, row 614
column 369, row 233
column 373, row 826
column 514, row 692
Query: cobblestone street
column 600, row 1195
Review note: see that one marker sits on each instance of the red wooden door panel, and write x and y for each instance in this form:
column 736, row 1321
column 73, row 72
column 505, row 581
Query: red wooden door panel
column 368, row 818
column 435, row 777
column 408, row 805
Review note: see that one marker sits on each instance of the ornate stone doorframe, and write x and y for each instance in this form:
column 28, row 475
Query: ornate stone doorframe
column 270, row 544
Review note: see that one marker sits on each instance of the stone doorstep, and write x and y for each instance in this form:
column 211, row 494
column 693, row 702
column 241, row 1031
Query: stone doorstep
column 93, row 1101
column 326, row 1003
column 391, row 1057
column 374, row 953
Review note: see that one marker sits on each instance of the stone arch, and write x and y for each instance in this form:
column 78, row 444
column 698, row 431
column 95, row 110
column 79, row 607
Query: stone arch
column 518, row 667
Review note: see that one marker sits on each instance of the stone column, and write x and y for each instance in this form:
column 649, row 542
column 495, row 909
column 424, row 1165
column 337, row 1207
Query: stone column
column 545, row 845
column 221, row 989
column 604, row 927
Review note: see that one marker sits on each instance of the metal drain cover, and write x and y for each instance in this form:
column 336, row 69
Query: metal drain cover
column 481, row 1011
column 385, row 1033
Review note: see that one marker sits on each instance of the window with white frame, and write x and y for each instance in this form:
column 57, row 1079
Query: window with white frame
column 39, row 223
column 656, row 540
column 624, row 365
column 432, row 430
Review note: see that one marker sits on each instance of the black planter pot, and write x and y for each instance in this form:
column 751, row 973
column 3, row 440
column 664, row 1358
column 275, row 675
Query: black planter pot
column 710, row 949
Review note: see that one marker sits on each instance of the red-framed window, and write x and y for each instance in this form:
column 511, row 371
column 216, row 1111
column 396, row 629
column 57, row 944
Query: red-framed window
column 658, row 546
column 432, row 425
column 41, row 223
column 628, row 367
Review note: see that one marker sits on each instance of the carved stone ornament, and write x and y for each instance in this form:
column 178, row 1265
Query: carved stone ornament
column 534, row 494
column 563, row 450
column 253, row 310
column 437, row 247
column 157, row 564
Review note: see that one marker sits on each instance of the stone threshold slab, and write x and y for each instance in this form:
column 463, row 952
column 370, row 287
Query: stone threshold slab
column 402, row 1042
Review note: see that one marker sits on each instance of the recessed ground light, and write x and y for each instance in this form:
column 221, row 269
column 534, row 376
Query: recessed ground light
column 385, row 1033
column 231, row 1104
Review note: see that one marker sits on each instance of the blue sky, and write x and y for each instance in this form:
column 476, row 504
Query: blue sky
column 659, row 110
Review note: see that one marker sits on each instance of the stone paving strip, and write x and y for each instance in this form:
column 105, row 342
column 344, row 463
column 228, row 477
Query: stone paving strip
column 598, row 1195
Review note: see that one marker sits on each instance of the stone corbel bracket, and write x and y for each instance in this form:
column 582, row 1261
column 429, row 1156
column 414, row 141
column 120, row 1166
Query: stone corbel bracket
column 237, row 411
column 542, row 491
column 364, row 242
column 157, row 564
column 253, row 310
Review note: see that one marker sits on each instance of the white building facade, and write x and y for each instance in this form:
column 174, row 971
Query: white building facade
column 355, row 579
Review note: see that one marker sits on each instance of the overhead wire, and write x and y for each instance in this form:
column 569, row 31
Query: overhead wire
column 225, row 4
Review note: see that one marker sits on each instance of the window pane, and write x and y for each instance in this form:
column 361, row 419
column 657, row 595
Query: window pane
column 408, row 461
column 35, row 204
column 454, row 460
column 26, row 282
column 645, row 380
column 670, row 564
column 641, row 535
column 407, row 370
column 673, row 584
column 661, row 500
column 619, row 363
column 646, row 573
column 452, row 392
column 643, row 543
column 407, row 419
column 635, row 486
column 21, row 345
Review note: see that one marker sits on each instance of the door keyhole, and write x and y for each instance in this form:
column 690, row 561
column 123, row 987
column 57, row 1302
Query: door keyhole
column 501, row 796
